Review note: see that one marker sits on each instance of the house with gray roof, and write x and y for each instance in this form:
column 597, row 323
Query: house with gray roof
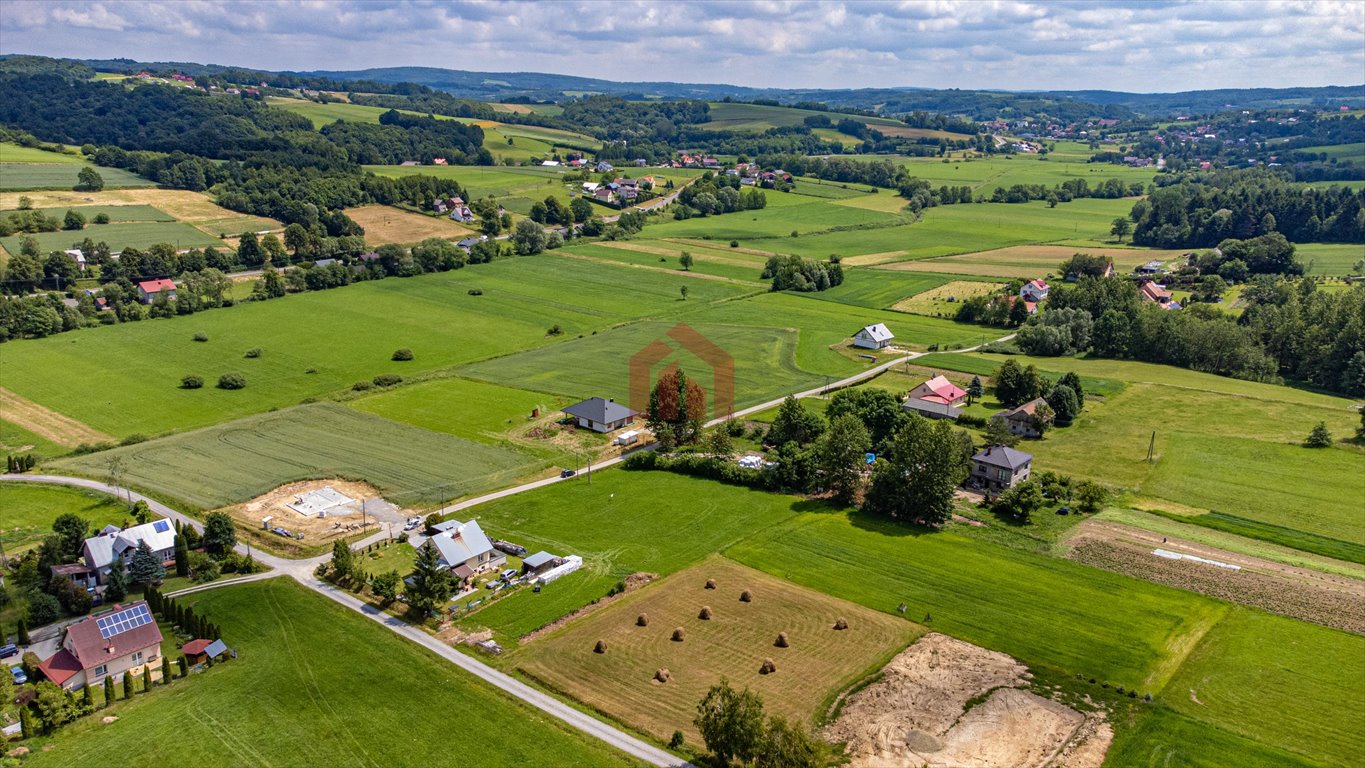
column 1000, row 467
column 876, row 336
column 465, row 550
column 930, row 409
column 102, row 549
column 601, row 415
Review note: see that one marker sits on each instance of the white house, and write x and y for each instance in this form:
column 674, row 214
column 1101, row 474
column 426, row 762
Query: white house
column 78, row 257
column 601, row 415
column 876, row 336
column 1034, row 291
column 103, row 548
column 464, row 548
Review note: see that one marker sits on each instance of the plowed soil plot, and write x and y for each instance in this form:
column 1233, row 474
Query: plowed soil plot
column 1316, row 598
column 917, row 714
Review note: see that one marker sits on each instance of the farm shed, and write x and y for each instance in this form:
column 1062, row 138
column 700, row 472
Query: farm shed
column 196, row 651
column 539, row 562
column 876, row 336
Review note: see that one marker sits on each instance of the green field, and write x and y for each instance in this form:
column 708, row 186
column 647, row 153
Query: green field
column 240, row 460
column 1329, row 259
column 294, row 697
column 985, row 174
column 13, row 153
column 1283, row 682
column 729, row 116
column 116, row 213
column 620, row 523
column 433, row 315
column 1353, row 152
column 29, row 510
column 474, row 410
column 660, row 254
column 1162, row 738
column 141, row 234
column 19, row 177
column 1049, row 613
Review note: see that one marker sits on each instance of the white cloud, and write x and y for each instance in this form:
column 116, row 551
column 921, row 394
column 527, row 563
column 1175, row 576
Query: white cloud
column 1136, row 45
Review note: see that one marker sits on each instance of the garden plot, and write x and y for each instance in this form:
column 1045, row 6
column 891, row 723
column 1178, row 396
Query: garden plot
column 943, row 702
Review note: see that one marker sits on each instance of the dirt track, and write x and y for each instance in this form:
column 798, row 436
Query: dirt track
column 1301, row 593
column 47, row 423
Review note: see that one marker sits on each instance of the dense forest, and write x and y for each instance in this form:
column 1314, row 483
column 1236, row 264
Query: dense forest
column 1200, row 210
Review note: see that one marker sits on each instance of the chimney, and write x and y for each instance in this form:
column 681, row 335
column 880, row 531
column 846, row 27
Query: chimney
column 988, row 449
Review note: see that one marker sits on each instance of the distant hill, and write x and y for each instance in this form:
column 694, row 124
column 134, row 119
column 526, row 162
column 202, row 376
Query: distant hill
column 975, row 104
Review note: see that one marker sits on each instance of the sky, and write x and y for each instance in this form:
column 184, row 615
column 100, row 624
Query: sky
column 1145, row 46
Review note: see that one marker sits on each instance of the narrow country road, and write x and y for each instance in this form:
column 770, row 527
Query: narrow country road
column 302, row 571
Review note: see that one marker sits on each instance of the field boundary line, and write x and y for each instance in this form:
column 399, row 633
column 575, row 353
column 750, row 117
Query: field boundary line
column 47, row 423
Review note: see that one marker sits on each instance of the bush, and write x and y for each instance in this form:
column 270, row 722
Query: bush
column 387, row 380
column 361, row 386
column 402, row 355
column 201, row 337
column 232, row 381
column 134, row 439
column 677, row 741
column 311, row 370
column 554, row 330
column 734, row 243
column 474, row 292
column 969, row 420
column 253, row 353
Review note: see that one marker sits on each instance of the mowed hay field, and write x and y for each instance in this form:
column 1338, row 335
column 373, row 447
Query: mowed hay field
column 30, row 508
column 475, row 410
column 385, row 224
column 243, row 459
column 142, row 234
column 342, row 336
column 1029, row 261
column 819, row 662
column 195, row 209
column 62, row 175
column 317, row 684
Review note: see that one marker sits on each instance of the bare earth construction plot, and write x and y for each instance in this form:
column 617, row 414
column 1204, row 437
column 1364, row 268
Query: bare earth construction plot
column 819, row 662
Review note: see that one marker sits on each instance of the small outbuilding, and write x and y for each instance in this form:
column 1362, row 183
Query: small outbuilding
column 930, row 409
column 876, row 336
column 601, row 415
column 540, row 562
column 196, row 651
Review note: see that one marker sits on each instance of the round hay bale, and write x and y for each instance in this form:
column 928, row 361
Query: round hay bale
column 781, row 641
column 662, row 675
column 678, row 634
column 746, row 597
column 710, row 583
column 767, row 668
column 840, row 623
column 705, row 614
column 642, row 620
column 601, row 647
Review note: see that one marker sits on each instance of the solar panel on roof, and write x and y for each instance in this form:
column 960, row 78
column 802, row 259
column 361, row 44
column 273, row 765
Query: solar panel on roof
column 161, row 526
column 122, row 621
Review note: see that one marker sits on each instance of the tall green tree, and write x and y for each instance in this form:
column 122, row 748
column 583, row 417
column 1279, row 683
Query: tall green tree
column 343, row 561
column 1073, row 380
column 1062, row 400
column 1019, row 502
column 88, row 180
column 788, row 745
column 431, row 583
column 922, row 470
column 731, row 723
column 975, row 390
column 116, row 585
column 71, row 530
column 841, row 455
column 220, row 535
column 182, row 555
column 795, row 424
column 1120, row 227
column 685, row 261
column 144, row 567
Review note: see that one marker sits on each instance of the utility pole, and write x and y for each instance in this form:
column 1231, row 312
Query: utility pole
column 1151, row 447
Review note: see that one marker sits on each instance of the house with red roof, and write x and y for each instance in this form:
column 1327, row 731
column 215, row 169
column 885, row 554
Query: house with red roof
column 939, row 390
column 109, row 645
column 1034, row 291
column 148, row 290
column 1150, row 291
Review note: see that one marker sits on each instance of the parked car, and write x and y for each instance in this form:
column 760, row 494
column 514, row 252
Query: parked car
column 568, row 473
column 7, row 651
column 508, row 574
column 20, row 677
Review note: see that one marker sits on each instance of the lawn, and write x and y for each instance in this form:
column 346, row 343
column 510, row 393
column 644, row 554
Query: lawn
column 1051, row 614
column 305, row 356
column 60, row 175
column 620, row 523
column 1295, row 685
column 31, row 508
column 240, row 460
column 140, row 234
column 474, row 410
column 294, row 697
column 14, row 153
column 819, row 662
